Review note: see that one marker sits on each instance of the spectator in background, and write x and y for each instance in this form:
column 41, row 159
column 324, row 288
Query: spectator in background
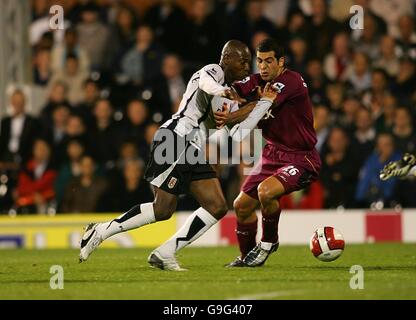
column 230, row 19
column 35, row 189
column 351, row 105
column 141, row 64
column 406, row 41
column 122, row 34
column 42, row 67
column 73, row 78
column 388, row 60
column 316, row 81
column 18, row 131
column 277, row 11
column 39, row 9
column 70, row 169
column 255, row 21
column 370, row 188
column 405, row 81
column 322, row 29
column 104, row 134
column 335, row 93
column 169, row 21
column 168, row 89
column 84, row 193
column 91, row 94
column 373, row 98
column 75, row 128
column 135, row 124
column 321, row 125
column 127, row 152
column 57, row 96
column 364, row 135
column 359, row 77
column 204, row 35
column 339, row 171
column 337, row 63
column 70, row 46
column 130, row 188
column 298, row 55
column 93, row 36
column 385, row 122
column 403, row 132
column 296, row 27
column 391, row 11
column 367, row 40
column 55, row 131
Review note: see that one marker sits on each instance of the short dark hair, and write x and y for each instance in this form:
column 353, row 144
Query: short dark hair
column 271, row 45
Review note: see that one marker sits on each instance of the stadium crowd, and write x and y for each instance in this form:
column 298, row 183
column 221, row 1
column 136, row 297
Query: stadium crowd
column 118, row 70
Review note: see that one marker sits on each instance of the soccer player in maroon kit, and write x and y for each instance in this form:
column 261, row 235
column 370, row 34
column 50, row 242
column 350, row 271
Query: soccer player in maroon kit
column 289, row 161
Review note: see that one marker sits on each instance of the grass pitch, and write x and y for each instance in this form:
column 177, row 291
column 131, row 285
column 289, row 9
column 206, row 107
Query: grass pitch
column 290, row 273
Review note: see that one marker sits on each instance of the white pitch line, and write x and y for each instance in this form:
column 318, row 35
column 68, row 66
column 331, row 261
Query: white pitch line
column 268, row 295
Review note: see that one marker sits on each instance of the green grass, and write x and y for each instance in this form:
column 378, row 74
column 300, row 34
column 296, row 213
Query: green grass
column 291, row 273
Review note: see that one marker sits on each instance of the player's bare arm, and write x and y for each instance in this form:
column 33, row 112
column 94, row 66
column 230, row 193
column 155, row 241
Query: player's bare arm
column 233, row 95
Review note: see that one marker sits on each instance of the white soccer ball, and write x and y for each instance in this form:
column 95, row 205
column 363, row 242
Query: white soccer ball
column 327, row 244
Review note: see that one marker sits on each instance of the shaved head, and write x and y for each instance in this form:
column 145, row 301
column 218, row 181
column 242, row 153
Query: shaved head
column 235, row 60
column 235, row 48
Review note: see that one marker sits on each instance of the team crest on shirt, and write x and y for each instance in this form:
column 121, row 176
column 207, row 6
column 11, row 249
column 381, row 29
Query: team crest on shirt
column 172, row 182
column 278, row 86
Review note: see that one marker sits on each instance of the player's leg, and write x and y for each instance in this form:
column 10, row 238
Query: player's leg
column 406, row 166
column 246, row 231
column 160, row 209
column 269, row 191
column 209, row 195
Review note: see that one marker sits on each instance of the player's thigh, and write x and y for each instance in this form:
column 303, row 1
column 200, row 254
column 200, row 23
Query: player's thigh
column 209, row 195
column 245, row 206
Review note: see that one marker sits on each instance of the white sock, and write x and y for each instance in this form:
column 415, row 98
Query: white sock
column 194, row 227
column 136, row 217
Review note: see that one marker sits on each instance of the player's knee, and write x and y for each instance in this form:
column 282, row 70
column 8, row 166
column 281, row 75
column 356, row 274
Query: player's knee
column 218, row 209
column 163, row 211
column 265, row 193
column 242, row 209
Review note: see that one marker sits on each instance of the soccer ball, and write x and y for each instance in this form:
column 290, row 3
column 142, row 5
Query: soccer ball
column 327, row 244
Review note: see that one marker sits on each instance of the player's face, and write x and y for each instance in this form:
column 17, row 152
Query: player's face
column 268, row 65
column 240, row 66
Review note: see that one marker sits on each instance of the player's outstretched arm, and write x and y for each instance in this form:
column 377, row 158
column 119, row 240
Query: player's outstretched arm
column 229, row 119
column 242, row 129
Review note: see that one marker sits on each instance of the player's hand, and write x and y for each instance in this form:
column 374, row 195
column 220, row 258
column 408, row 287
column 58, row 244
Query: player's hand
column 269, row 92
column 221, row 117
column 233, row 95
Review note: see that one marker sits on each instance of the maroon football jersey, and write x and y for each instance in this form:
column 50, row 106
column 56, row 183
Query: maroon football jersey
column 289, row 124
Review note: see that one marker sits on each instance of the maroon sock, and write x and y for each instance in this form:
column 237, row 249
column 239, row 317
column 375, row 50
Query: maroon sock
column 246, row 235
column 270, row 224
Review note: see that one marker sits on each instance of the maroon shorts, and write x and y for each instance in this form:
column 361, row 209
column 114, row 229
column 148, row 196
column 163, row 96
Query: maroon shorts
column 295, row 170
